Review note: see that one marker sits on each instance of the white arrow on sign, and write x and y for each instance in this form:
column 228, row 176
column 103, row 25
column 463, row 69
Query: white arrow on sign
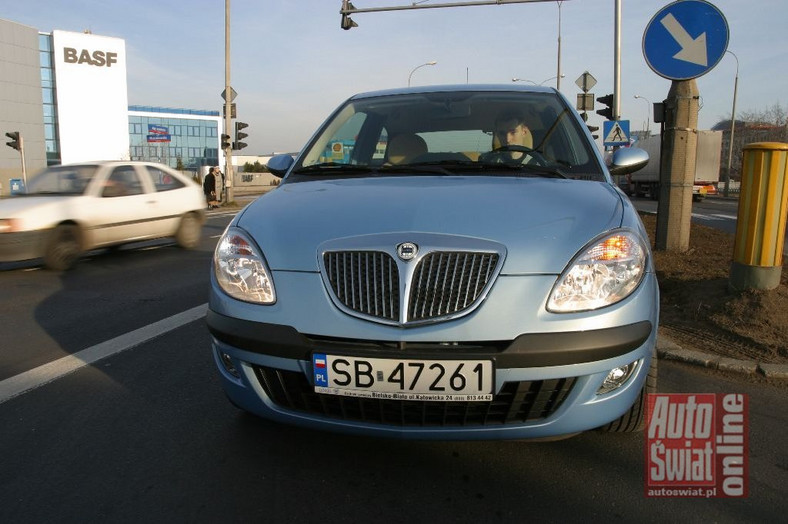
column 693, row 50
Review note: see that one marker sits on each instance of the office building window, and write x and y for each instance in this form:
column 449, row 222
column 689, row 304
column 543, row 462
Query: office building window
column 163, row 136
column 49, row 99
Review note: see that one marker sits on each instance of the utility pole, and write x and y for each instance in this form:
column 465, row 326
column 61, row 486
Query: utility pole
column 677, row 173
column 228, row 151
column 558, row 72
column 617, row 63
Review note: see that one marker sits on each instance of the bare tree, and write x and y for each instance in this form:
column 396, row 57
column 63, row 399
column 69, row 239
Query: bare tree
column 766, row 125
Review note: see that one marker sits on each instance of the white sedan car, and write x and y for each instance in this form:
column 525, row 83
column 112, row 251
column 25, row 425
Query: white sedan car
column 70, row 209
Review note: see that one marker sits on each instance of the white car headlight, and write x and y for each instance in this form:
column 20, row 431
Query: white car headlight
column 241, row 270
column 10, row 225
column 603, row 273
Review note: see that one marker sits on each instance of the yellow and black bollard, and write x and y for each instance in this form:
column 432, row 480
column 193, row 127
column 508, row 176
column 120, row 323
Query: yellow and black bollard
column 763, row 205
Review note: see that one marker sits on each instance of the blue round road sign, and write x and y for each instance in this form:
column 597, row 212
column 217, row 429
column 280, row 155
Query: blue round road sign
column 685, row 39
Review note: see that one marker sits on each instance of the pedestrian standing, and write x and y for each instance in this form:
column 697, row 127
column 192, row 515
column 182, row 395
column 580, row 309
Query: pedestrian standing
column 209, row 188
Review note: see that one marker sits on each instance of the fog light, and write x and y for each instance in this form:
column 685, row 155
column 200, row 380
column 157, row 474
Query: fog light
column 227, row 362
column 617, row 377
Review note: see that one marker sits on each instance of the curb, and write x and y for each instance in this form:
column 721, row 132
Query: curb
column 669, row 350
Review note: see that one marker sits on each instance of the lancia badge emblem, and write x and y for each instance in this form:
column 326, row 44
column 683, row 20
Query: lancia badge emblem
column 407, row 251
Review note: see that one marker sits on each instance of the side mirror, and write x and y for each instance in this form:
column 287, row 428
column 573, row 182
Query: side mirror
column 627, row 160
column 279, row 165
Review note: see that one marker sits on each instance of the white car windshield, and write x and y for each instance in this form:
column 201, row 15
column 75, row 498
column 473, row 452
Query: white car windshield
column 62, row 180
column 453, row 132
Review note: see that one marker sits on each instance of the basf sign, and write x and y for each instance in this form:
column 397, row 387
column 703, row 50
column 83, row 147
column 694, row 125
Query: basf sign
column 92, row 97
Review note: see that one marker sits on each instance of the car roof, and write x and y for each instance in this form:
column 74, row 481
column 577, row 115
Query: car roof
column 456, row 88
column 112, row 163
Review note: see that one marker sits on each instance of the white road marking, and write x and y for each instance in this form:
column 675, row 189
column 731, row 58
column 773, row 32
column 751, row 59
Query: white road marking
column 705, row 217
column 727, row 217
column 29, row 380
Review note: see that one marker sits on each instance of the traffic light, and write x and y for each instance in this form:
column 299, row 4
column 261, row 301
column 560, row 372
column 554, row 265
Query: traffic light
column 607, row 112
column 239, row 135
column 659, row 112
column 225, row 141
column 347, row 22
column 15, row 141
column 593, row 130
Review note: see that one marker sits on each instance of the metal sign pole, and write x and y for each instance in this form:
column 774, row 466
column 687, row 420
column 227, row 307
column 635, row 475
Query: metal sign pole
column 228, row 151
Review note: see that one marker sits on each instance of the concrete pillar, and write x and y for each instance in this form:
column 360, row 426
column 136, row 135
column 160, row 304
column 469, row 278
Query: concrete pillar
column 679, row 142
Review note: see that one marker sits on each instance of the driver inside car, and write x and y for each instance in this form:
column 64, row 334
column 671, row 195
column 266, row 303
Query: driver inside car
column 512, row 130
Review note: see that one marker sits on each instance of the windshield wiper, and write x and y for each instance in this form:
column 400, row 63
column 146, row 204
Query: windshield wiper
column 333, row 168
column 544, row 171
column 421, row 168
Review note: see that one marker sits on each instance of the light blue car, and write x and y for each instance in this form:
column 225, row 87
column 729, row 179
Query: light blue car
column 445, row 262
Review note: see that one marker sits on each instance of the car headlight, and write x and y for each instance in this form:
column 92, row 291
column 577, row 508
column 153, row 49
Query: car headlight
column 607, row 271
column 241, row 270
column 10, row 225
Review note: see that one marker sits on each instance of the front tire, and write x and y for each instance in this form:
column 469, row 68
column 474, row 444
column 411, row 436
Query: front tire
column 63, row 249
column 189, row 231
column 634, row 420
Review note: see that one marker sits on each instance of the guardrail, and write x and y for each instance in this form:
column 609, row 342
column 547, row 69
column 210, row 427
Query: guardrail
column 734, row 188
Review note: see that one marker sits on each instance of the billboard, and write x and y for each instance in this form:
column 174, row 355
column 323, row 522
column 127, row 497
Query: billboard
column 92, row 96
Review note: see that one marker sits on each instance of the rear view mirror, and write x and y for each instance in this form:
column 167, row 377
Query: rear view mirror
column 627, row 160
column 279, row 164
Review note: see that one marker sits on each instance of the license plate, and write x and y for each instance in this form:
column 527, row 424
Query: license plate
column 403, row 379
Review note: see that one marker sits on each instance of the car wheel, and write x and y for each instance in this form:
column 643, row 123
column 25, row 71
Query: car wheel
column 63, row 249
column 189, row 231
column 634, row 419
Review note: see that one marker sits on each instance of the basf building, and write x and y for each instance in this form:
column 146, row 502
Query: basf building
column 66, row 95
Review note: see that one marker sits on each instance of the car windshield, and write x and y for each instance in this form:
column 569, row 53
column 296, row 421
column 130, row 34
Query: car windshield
column 62, row 180
column 479, row 133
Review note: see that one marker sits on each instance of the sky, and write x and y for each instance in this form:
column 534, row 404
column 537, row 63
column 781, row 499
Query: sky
column 292, row 64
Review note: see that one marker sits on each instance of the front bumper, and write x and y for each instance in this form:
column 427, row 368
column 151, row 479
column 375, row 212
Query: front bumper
column 23, row 245
column 546, row 383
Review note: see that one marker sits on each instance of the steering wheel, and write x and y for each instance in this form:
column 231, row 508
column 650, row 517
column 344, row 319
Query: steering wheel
column 535, row 156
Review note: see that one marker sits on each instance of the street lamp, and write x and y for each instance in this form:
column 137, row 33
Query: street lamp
column 430, row 63
column 733, row 126
column 648, row 112
column 515, row 79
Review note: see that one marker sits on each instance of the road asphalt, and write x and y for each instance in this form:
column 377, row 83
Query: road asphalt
column 666, row 348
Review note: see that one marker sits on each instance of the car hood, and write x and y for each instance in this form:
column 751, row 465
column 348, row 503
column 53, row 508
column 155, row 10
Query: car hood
column 541, row 222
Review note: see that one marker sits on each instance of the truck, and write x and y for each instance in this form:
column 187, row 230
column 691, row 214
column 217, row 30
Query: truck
column 707, row 167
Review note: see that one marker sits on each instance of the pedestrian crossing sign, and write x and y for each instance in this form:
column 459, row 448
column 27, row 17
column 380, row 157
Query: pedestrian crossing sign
column 616, row 132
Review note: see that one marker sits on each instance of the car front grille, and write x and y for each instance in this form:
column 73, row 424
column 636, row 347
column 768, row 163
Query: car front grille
column 443, row 283
column 516, row 403
column 365, row 281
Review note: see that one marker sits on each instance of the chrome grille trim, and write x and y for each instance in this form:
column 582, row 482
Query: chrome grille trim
column 431, row 297
column 440, row 284
column 366, row 282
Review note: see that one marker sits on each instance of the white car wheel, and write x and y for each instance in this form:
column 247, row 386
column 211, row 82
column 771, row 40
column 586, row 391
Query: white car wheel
column 189, row 231
column 63, row 249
